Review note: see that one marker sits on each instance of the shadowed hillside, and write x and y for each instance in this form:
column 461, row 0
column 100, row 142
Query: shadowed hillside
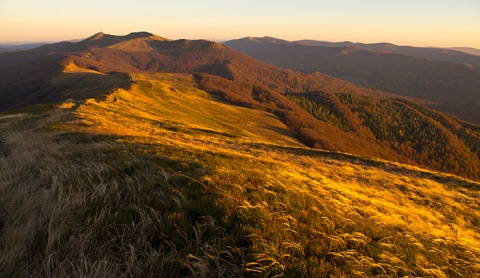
column 164, row 180
column 32, row 77
column 451, row 87
column 324, row 112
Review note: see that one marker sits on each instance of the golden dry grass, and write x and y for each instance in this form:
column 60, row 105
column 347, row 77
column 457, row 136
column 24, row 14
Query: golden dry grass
column 73, row 68
column 167, row 103
column 242, row 196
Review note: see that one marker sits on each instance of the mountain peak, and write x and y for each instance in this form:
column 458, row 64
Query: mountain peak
column 137, row 35
column 97, row 36
column 133, row 35
column 266, row 39
column 135, row 41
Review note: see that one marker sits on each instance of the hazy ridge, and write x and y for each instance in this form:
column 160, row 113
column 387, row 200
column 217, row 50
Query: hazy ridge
column 448, row 79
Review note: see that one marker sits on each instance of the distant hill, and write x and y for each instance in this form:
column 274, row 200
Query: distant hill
column 324, row 112
column 452, row 87
column 454, row 54
column 458, row 55
column 469, row 50
column 19, row 47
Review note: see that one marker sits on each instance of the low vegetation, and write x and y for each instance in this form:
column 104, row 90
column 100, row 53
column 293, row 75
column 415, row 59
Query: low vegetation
column 163, row 180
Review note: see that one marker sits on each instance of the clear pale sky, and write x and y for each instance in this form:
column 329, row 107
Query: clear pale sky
column 406, row 22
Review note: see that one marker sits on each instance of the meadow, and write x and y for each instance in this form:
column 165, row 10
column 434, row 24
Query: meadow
column 164, row 180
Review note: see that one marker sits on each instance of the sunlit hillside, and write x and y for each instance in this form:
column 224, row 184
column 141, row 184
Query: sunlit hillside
column 164, row 180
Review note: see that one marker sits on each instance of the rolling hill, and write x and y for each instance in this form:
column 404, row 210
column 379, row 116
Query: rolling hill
column 422, row 73
column 19, row 47
column 469, row 50
column 164, row 179
column 457, row 55
column 324, row 112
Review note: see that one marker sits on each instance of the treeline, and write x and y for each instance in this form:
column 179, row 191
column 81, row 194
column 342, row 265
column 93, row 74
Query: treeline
column 419, row 133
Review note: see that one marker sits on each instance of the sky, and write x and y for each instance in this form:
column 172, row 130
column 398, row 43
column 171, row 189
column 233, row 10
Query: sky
column 441, row 23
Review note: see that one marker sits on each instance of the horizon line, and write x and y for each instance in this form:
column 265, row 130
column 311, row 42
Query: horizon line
column 20, row 42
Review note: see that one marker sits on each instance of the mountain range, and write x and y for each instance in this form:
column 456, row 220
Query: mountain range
column 142, row 156
column 447, row 79
column 325, row 112
column 440, row 54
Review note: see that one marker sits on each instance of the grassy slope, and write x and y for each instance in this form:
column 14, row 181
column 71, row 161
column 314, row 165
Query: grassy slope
column 350, row 123
column 161, row 180
column 73, row 80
